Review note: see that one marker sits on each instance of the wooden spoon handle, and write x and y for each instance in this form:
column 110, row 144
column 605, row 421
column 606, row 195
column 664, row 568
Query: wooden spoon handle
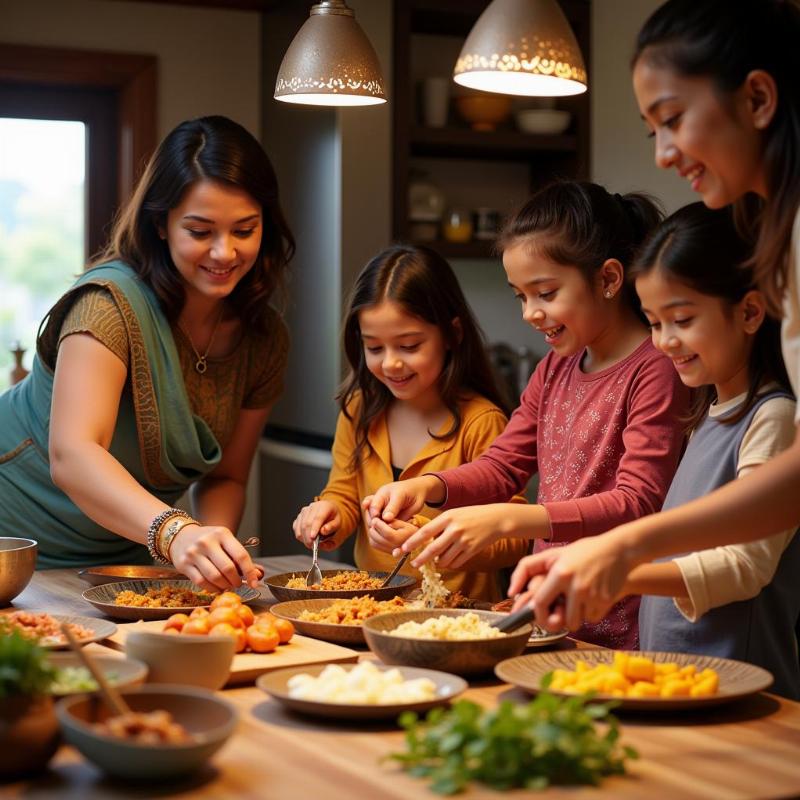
column 113, row 698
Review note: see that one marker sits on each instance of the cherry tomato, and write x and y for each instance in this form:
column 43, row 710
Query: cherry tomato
column 230, row 599
column 196, row 627
column 246, row 615
column 262, row 639
column 198, row 612
column 176, row 622
column 225, row 614
column 285, row 629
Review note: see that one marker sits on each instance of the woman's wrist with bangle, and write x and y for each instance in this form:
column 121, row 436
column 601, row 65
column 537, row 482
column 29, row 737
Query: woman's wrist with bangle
column 154, row 533
column 170, row 531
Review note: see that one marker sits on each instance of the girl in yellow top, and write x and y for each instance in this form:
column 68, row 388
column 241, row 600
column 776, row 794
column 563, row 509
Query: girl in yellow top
column 420, row 397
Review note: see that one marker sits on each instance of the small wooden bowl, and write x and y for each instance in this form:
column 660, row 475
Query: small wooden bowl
column 401, row 584
column 327, row 631
column 466, row 657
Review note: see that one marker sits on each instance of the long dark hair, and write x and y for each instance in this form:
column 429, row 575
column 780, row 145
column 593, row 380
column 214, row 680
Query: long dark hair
column 420, row 281
column 701, row 248
column 208, row 148
column 583, row 226
column 725, row 40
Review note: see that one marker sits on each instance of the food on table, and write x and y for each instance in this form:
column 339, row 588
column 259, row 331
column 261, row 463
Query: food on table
column 42, row 627
column 70, row 680
column 153, row 727
column 549, row 741
column 365, row 684
column 453, row 629
column 352, row 611
column 636, row 676
column 164, row 597
column 260, row 633
column 433, row 592
column 348, row 580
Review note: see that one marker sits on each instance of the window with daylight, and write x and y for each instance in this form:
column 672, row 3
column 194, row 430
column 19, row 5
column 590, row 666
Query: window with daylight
column 42, row 225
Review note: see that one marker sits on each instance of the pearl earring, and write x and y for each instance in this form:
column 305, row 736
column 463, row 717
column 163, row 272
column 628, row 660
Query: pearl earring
column 609, row 294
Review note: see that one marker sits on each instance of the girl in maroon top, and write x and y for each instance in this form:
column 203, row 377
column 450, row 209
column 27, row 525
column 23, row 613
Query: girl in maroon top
column 599, row 420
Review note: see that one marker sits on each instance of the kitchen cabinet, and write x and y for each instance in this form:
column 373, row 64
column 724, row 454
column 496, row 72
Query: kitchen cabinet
column 496, row 169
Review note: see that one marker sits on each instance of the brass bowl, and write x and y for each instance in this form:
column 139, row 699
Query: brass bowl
column 465, row 657
column 17, row 563
column 401, row 584
column 484, row 112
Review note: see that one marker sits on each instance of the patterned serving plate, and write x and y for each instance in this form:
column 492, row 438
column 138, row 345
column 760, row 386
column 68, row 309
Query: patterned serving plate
column 100, row 628
column 736, row 678
column 102, row 598
column 275, row 684
column 400, row 585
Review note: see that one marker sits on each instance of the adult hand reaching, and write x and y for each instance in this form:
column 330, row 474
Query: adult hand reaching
column 389, row 536
column 589, row 573
column 213, row 558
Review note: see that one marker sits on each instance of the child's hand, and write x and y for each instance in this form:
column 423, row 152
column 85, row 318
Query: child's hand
column 388, row 537
column 320, row 518
column 403, row 499
column 458, row 535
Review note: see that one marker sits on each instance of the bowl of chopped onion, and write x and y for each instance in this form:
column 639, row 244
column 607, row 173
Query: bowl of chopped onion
column 171, row 731
column 73, row 678
column 450, row 640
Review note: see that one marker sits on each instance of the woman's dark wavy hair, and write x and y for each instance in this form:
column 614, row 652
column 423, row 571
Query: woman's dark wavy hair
column 725, row 40
column 579, row 224
column 702, row 249
column 208, row 148
column 421, row 282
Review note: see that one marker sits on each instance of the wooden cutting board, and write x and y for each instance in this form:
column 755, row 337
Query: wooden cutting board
column 246, row 667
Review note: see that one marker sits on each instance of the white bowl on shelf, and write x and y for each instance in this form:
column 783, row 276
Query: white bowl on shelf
column 543, row 120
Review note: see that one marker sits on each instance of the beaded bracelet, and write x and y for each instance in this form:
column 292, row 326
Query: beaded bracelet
column 169, row 532
column 155, row 529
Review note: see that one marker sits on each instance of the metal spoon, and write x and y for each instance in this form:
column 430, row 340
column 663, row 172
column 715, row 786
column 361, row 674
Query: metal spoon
column 397, row 567
column 314, row 577
column 516, row 619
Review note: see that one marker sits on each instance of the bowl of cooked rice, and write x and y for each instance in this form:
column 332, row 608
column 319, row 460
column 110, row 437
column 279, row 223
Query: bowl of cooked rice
column 339, row 583
column 451, row 640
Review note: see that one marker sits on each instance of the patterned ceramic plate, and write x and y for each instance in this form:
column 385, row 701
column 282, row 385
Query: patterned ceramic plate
column 275, row 684
column 98, row 629
column 736, row 678
column 400, row 585
column 103, row 598
column 327, row 631
column 540, row 637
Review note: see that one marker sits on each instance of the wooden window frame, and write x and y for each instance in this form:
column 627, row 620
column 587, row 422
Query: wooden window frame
column 133, row 77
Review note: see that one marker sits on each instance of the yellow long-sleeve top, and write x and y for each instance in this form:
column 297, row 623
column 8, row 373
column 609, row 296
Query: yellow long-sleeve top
column 481, row 422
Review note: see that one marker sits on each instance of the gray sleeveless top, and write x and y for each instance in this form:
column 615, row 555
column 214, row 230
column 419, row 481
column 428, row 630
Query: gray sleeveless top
column 760, row 630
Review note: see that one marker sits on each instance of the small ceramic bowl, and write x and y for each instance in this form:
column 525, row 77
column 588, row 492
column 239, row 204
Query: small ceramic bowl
column 466, row 657
column 484, row 112
column 123, row 673
column 203, row 661
column 208, row 718
column 543, row 120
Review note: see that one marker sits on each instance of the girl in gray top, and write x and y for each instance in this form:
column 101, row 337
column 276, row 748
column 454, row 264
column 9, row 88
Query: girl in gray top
column 739, row 601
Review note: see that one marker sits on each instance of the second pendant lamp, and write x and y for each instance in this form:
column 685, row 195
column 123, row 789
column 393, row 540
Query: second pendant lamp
column 522, row 47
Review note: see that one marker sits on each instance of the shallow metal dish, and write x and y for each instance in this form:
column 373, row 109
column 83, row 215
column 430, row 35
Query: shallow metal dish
column 97, row 576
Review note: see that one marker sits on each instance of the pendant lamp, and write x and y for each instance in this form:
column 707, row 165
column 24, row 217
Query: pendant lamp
column 522, row 47
column 330, row 62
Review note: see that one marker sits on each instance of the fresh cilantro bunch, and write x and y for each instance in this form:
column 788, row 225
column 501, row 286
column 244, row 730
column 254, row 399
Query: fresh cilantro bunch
column 24, row 668
column 551, row 740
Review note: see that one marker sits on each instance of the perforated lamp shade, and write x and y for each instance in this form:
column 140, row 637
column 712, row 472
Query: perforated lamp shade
column 330, row 62
column 522, row 47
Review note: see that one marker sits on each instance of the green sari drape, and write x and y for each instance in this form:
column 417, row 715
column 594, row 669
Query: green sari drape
column 158, row 439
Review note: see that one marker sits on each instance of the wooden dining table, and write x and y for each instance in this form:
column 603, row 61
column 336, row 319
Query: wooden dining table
column 746, row 749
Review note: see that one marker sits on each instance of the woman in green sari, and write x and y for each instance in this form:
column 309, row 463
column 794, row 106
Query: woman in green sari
column 156, row 372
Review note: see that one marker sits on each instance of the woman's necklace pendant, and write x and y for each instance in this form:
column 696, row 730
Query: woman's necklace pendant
column 200, row 365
